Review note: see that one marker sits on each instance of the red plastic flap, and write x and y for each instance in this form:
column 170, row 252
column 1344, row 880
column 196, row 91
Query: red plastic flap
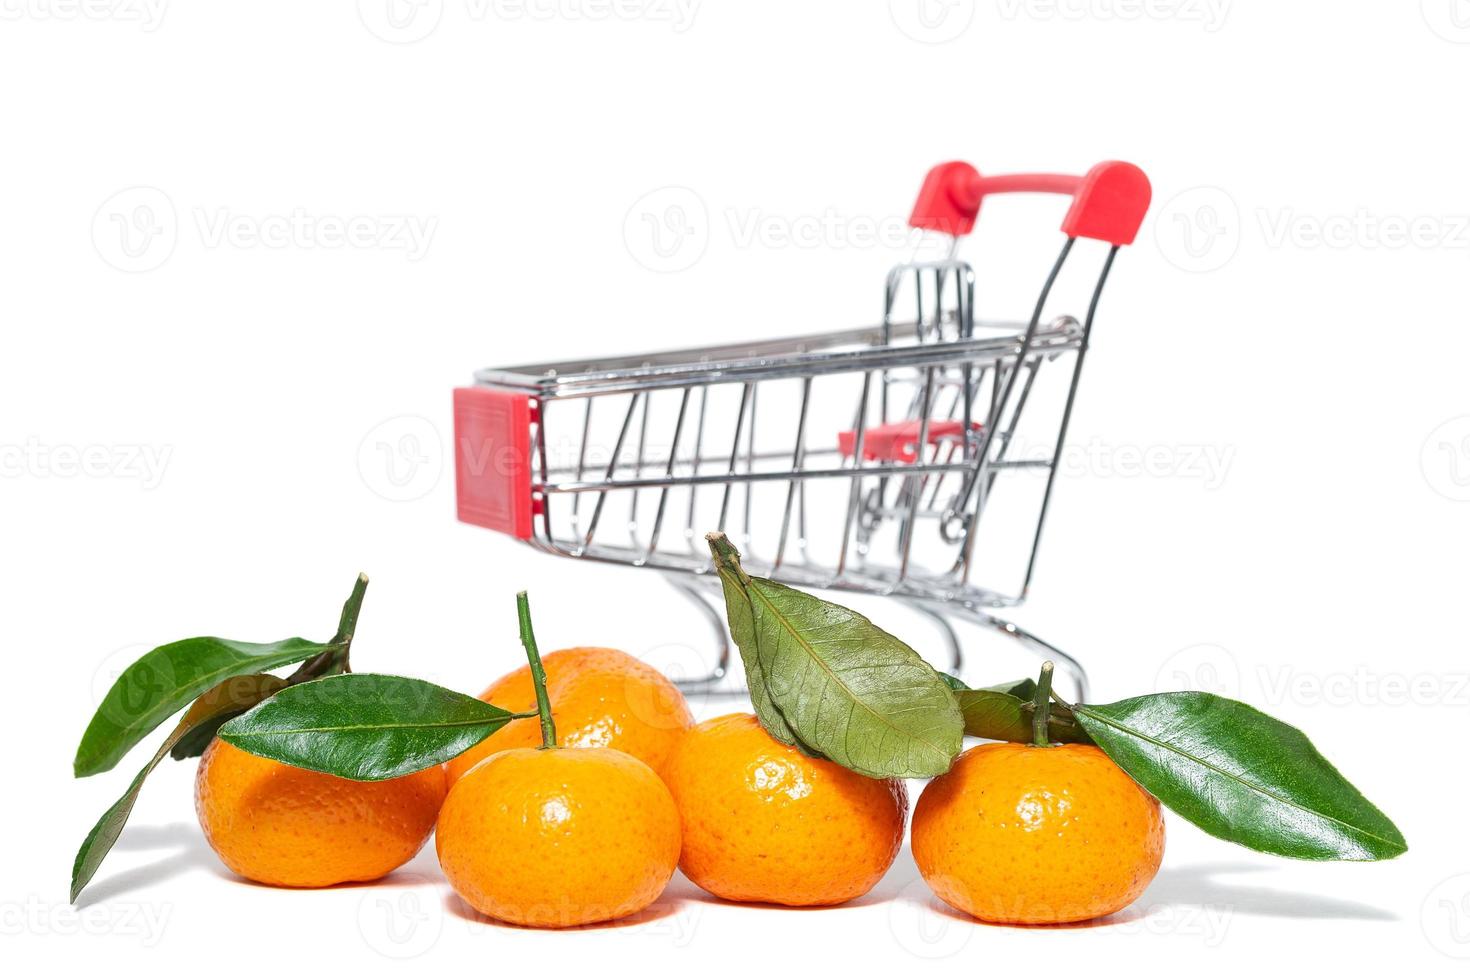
column 492, row 460
column 899, row 441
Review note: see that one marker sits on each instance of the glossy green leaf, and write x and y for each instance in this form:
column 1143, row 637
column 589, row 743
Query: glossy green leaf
column 167, row 678
column 847, row 689
column 1241, row 775
column 229, row 697
column 365, row 726
column 164, row 680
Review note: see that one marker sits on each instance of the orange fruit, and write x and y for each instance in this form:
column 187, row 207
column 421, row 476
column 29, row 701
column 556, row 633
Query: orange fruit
column 559, row 837
column 601, row 698
column 765, row 823
column 280, row 825
column 1021, row 834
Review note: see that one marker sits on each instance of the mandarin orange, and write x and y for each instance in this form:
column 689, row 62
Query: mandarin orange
column 1024, row 834
column 765, row 823
column 280, row 825
column 602, row 698
column 559, row 836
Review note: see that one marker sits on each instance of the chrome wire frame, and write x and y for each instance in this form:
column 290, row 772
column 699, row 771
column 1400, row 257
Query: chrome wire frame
column 942, row 366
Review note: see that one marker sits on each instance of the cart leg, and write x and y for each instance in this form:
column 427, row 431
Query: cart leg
column 956, row 659
column 696, row 595
column 695, row 592
column 1042, row 649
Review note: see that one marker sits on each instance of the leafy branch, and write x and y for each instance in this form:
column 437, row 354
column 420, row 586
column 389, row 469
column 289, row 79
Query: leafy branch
column 217, row 680
column 826, row 679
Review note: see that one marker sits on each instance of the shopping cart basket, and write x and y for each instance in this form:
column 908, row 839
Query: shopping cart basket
column 914, row 459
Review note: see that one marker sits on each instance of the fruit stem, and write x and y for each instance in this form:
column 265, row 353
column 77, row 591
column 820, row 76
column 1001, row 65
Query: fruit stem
column 334, row 659
column 726, row 558
column 1041, row 714
column 538, row 672
column 347, row 626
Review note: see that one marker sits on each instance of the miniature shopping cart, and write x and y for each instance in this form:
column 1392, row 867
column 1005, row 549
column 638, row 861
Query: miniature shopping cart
column 914, row 459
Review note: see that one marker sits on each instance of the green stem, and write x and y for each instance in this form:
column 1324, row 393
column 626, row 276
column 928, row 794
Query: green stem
column 1041, row 714
column 538, row 672
column 347, row 625
column 334, row 659
column 350, row 609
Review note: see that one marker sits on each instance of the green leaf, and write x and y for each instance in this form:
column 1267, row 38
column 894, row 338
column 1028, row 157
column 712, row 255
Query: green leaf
column 165, row 679
column 1241, row 775
column 1006, row 718
column 992, row 714
column 1024, row 689
column 742, row 630
column 229, row 697
column 365, row 726
column 197, row 739
column 856, row 694
column 1004, row 712
column 952, row 682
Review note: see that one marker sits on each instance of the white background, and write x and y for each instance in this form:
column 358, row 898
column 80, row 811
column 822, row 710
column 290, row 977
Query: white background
column 1270, row 492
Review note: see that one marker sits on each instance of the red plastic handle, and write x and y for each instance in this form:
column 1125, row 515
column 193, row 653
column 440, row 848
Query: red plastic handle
column 1108, row 202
